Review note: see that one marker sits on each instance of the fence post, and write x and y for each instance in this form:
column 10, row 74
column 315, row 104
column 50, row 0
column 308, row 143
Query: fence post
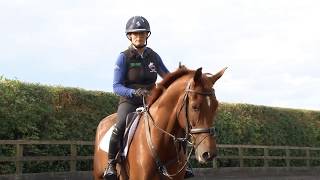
column 19, row 155
column 287, row 157
column 215, row 163
column 266, row 155
column 73, row 161
column 241, row 156
column 308, row 156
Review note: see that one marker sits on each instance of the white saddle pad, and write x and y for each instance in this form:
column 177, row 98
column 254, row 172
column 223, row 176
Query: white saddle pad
column 105, row 141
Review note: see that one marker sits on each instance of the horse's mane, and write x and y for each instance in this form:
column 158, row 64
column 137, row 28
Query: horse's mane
column 165, row 83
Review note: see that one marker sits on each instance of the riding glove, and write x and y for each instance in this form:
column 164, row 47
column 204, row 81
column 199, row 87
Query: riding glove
column 141, row 92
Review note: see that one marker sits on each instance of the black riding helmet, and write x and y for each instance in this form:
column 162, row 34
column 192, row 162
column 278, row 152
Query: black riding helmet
column 138, row 24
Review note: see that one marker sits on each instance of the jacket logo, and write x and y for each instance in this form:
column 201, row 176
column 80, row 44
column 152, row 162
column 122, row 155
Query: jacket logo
column 152, row 67
column 133, row 65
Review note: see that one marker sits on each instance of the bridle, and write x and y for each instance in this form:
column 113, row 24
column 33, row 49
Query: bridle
column 189, row 130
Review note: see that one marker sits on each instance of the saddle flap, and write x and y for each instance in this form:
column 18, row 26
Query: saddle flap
column 132, row 121
column 129, row 120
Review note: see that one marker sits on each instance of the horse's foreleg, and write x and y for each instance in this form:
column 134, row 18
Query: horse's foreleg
column 122, row 171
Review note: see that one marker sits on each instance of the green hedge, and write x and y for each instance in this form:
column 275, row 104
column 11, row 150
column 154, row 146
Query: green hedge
column 262, row 125
column 33, row 111
column 38, row 112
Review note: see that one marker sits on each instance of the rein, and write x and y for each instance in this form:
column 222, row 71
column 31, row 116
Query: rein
column 189, row 131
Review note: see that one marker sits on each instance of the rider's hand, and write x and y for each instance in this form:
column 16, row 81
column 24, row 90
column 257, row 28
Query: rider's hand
column 141, row 92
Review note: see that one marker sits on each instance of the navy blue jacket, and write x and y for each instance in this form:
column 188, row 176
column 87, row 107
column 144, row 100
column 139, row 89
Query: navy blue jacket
column 125, row 64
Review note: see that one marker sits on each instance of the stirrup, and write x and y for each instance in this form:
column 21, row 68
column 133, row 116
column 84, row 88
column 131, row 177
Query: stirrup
column 110, row 172
column 189, row 172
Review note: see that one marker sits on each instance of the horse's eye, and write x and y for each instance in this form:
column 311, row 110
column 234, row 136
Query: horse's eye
column 195, row 108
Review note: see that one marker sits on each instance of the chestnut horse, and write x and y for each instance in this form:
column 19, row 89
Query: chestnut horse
column 181, row 109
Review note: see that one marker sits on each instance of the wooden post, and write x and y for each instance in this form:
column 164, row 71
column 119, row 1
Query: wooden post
column 73, row 161
column 215, row 163
column 308, row 157
column 19, row 155
column 287, row 157
column 266, row 155
column 241, row 156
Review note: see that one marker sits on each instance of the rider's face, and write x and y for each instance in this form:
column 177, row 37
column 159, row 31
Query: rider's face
column 138, row 38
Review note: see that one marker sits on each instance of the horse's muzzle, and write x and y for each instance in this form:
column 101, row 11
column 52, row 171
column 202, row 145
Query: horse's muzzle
column 205, row 156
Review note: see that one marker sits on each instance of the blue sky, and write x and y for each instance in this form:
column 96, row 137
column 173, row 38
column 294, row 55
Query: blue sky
column 272, row 48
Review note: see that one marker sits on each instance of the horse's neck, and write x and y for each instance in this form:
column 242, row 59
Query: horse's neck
column 164, row 110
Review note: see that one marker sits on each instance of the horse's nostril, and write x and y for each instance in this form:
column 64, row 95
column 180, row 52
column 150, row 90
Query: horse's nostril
column 206, row 156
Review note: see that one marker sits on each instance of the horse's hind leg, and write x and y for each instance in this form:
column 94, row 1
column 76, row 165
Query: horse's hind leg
column 100, row 162
column 101, row 157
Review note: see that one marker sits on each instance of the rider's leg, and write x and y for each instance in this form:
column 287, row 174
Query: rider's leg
column 117, row 133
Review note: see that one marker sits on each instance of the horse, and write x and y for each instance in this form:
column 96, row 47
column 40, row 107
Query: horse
column 180, row 110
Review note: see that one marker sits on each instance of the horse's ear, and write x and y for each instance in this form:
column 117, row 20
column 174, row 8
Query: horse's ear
column 197, row 76
column 215, row 77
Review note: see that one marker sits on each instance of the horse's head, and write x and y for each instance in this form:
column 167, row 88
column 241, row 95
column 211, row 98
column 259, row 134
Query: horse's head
column 200, row 105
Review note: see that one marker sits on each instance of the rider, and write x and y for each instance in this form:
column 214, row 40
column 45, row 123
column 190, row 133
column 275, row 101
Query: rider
column 135, row 73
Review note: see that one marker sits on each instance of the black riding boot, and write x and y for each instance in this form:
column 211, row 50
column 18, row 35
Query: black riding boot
column 111, row 171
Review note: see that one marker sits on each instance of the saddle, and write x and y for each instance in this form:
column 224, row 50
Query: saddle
column 132, row 122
